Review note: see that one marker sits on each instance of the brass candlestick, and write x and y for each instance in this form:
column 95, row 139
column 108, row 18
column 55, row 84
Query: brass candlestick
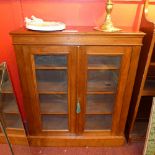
column 108, row 25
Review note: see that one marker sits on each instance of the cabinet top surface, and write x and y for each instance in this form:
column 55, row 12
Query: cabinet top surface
column 80, row 30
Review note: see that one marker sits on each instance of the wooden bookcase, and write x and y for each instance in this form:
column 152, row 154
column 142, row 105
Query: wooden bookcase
column 77, row 85
column 9, row 114
column 144, row 88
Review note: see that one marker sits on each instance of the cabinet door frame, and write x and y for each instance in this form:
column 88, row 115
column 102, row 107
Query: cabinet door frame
column 32, row 96
column 83, row 53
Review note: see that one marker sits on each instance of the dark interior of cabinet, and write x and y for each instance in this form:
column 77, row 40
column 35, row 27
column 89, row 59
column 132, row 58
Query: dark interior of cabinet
column 142, row 119
column 153, row 55
column 149, row 88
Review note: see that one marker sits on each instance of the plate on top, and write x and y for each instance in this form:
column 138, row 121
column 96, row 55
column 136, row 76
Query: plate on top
column 46, row 26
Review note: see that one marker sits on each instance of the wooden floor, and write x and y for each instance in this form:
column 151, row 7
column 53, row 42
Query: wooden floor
column 130, row 149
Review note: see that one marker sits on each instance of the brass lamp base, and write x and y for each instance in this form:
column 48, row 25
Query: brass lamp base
column 104, row 28
column 108, row 25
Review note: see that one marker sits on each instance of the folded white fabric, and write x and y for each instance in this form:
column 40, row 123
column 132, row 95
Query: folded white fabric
column 40, row 25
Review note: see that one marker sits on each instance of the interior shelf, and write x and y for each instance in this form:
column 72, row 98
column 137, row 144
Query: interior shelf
column 100, row 67
column 55, row 122
column 149, row 88
column 53, row 104
column 100, row 104
column 98, row 122
column 50, row 68
column 139, row 129
column 152, row 64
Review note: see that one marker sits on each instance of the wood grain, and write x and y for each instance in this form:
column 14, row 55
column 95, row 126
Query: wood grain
column 81, row 75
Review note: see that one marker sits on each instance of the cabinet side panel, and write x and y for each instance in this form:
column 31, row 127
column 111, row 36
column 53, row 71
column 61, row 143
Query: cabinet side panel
column 29, row 95
column 129, row 87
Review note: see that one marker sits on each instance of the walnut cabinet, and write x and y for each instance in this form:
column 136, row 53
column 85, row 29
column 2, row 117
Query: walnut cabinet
column 76, row 85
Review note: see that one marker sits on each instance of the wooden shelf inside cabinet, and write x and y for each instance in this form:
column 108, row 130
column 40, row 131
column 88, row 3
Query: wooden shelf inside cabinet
column 152, row 64
column 102, row 67
column 139, row 130
column 149, row 87
column 101, row 92
column 50, row 68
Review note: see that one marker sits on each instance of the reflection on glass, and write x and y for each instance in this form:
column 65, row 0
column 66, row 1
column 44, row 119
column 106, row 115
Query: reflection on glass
column 9, row 113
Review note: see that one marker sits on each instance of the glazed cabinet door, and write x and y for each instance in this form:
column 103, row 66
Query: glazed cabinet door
column 102, row 76
column 51, row 73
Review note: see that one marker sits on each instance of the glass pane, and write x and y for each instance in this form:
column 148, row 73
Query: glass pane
column 12, row 121
column 55, row 122
column 8, row 103
column 100, row 104
column 6, row 83
column 98, row 122
column 53, row 104
column 9, row 113
column 51, row 60
column 51, row 80
column 106, row 61
column 102, row 80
